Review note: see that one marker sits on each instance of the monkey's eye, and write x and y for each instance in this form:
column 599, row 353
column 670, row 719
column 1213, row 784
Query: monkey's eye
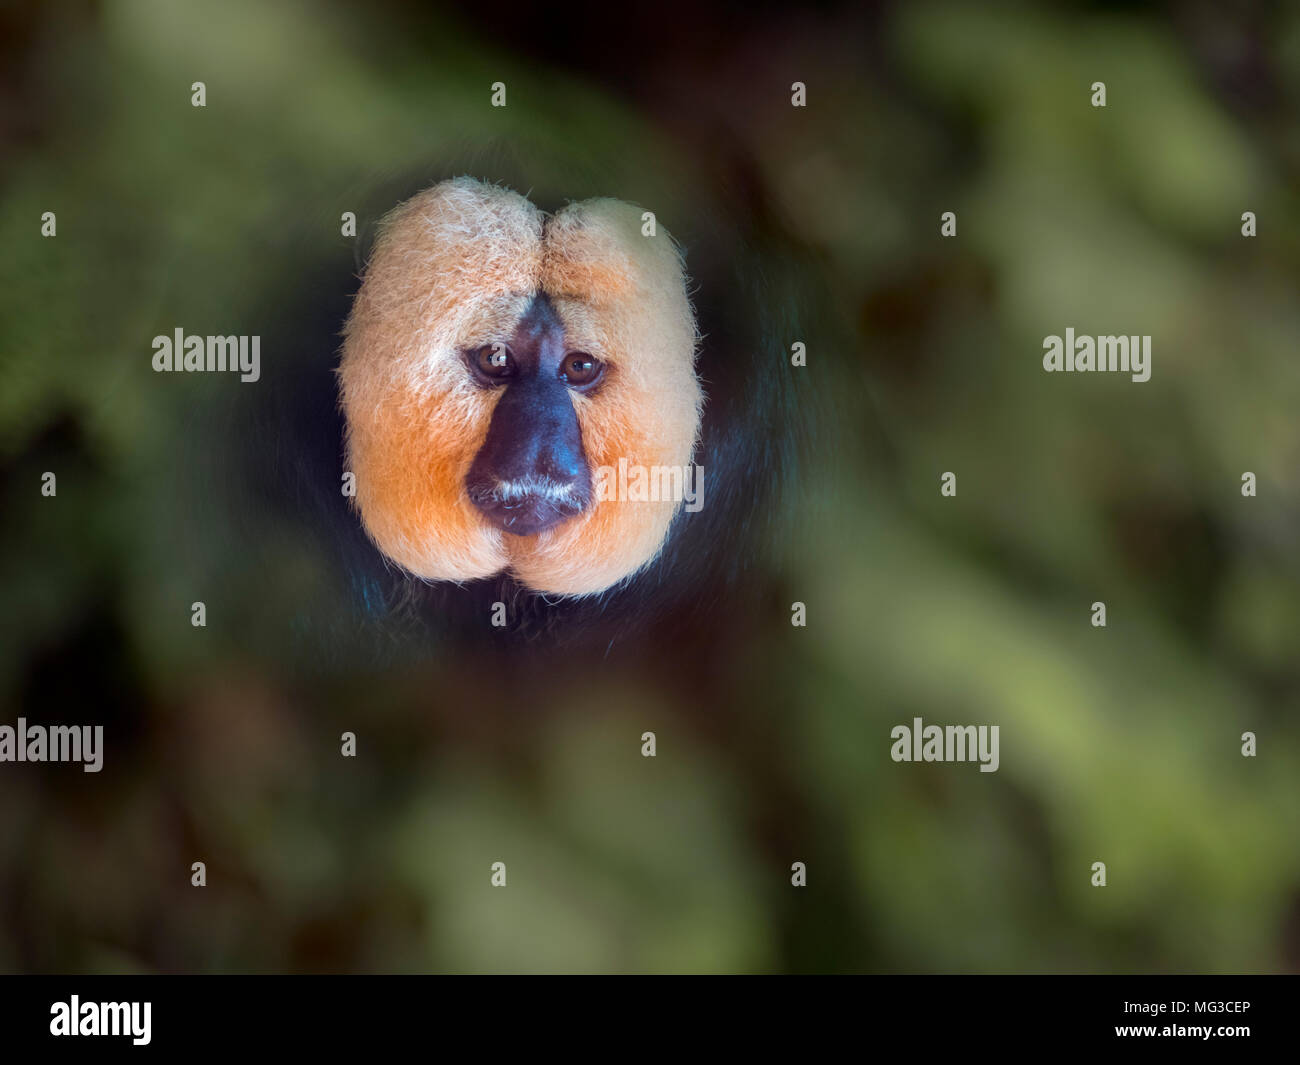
column 495, row 361
column 580, row 369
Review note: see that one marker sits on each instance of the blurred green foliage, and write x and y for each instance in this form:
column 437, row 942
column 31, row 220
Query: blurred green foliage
column 1120, row 745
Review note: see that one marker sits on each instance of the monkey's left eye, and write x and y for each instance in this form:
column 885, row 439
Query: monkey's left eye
column 580, row 369
column 495, row 360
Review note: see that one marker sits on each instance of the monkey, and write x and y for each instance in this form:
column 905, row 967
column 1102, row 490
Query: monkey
column 493, row 358
column 481, row 369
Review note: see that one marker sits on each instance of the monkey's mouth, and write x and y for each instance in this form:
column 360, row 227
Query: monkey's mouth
column 527, row 508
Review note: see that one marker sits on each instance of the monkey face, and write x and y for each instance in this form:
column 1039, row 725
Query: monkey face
column 497, row 364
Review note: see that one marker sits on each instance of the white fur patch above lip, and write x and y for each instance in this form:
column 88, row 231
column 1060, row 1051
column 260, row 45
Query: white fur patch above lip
column 532, row 488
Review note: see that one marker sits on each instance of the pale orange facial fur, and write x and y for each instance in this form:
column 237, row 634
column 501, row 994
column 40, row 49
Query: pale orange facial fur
column 455, row 268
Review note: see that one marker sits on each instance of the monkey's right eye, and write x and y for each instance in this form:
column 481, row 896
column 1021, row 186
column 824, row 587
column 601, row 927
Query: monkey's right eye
column 495, row 361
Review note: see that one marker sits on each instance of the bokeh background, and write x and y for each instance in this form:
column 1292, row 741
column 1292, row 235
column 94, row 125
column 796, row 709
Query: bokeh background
column 1119, row 745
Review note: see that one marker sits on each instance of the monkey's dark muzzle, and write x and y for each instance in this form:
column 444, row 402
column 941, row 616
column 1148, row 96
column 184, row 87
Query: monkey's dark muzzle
column 531, row 472
column 526, row 513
